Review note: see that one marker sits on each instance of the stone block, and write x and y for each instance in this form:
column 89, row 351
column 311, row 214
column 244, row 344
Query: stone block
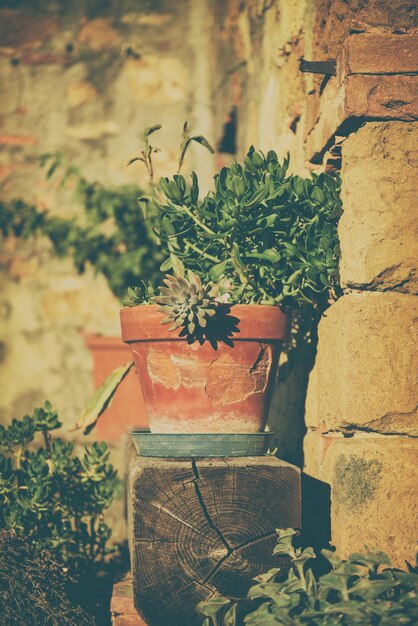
column 381, row 97
column 378, row 229
column 93, row 131
column 376, row 79
column 42, row 58
column 344, row 107
column 365, row 371
column 380, row 53
column 10, row 139
column 374, row 491
column 155, row 80
column 98, row 34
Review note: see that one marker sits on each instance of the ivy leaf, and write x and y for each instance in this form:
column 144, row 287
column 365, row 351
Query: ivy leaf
column 211, row 607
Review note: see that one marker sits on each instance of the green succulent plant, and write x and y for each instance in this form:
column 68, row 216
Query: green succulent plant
column 53, row 497
column 144, row 292
column 363, row 590
column 187, row 303
column 262, row 235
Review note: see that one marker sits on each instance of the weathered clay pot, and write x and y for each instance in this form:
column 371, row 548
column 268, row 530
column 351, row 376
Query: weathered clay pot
column 193, row 388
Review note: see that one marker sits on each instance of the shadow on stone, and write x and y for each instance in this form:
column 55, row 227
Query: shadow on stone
column 316, row 518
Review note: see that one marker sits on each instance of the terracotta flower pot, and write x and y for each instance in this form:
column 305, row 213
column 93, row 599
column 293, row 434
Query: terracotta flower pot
column 193, row 388
column 127, row 410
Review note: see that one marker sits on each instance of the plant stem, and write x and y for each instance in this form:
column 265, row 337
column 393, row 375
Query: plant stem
column 205, row 254
column 197, row 221
column 18, row 456
column 47, row 439
column 92, row 535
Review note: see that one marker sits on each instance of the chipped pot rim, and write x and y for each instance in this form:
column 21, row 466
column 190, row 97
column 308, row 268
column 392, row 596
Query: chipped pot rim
column 257, row 322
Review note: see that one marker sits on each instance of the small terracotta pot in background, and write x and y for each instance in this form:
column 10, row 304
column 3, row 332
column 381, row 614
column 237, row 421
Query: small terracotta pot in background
column 193, row 388
column 127, row 410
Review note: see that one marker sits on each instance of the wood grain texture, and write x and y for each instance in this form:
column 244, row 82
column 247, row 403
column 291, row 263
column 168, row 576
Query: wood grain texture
column 204, row 527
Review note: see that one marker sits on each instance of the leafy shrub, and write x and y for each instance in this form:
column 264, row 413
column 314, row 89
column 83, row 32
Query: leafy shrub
column 34, row 589
column 52, row 497
column 361, row 591
column 124, row 251
column 262, row 235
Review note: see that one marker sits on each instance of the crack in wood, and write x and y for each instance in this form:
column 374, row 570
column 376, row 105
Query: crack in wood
column 244, row 544
column 216, row 567
column 230, row 549
column 204, row 508
column 253, row 540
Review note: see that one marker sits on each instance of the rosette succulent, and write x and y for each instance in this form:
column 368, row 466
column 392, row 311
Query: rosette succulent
column 188, row 303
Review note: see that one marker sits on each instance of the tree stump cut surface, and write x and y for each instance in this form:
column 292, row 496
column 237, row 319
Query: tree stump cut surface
column 204, row 527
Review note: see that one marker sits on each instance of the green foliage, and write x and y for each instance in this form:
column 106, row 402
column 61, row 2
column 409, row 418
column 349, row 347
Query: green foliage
column 186, row 141
column 143, row 292
column 147, row 151
column 34, row 589
column 361, row 591
column 53, row 497
column 262, row 235
column 112, row 235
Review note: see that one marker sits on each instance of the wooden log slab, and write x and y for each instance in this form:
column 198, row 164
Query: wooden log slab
column 201, row 527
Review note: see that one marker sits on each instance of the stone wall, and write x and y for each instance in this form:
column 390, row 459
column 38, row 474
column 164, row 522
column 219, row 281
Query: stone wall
column 360, row 419
column 361, row 409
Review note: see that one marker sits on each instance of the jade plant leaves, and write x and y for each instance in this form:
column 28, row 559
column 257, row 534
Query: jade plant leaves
column 264, row 236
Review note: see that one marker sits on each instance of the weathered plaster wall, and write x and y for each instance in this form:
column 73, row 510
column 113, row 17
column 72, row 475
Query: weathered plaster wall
column 84, row 79
column 257, row 48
